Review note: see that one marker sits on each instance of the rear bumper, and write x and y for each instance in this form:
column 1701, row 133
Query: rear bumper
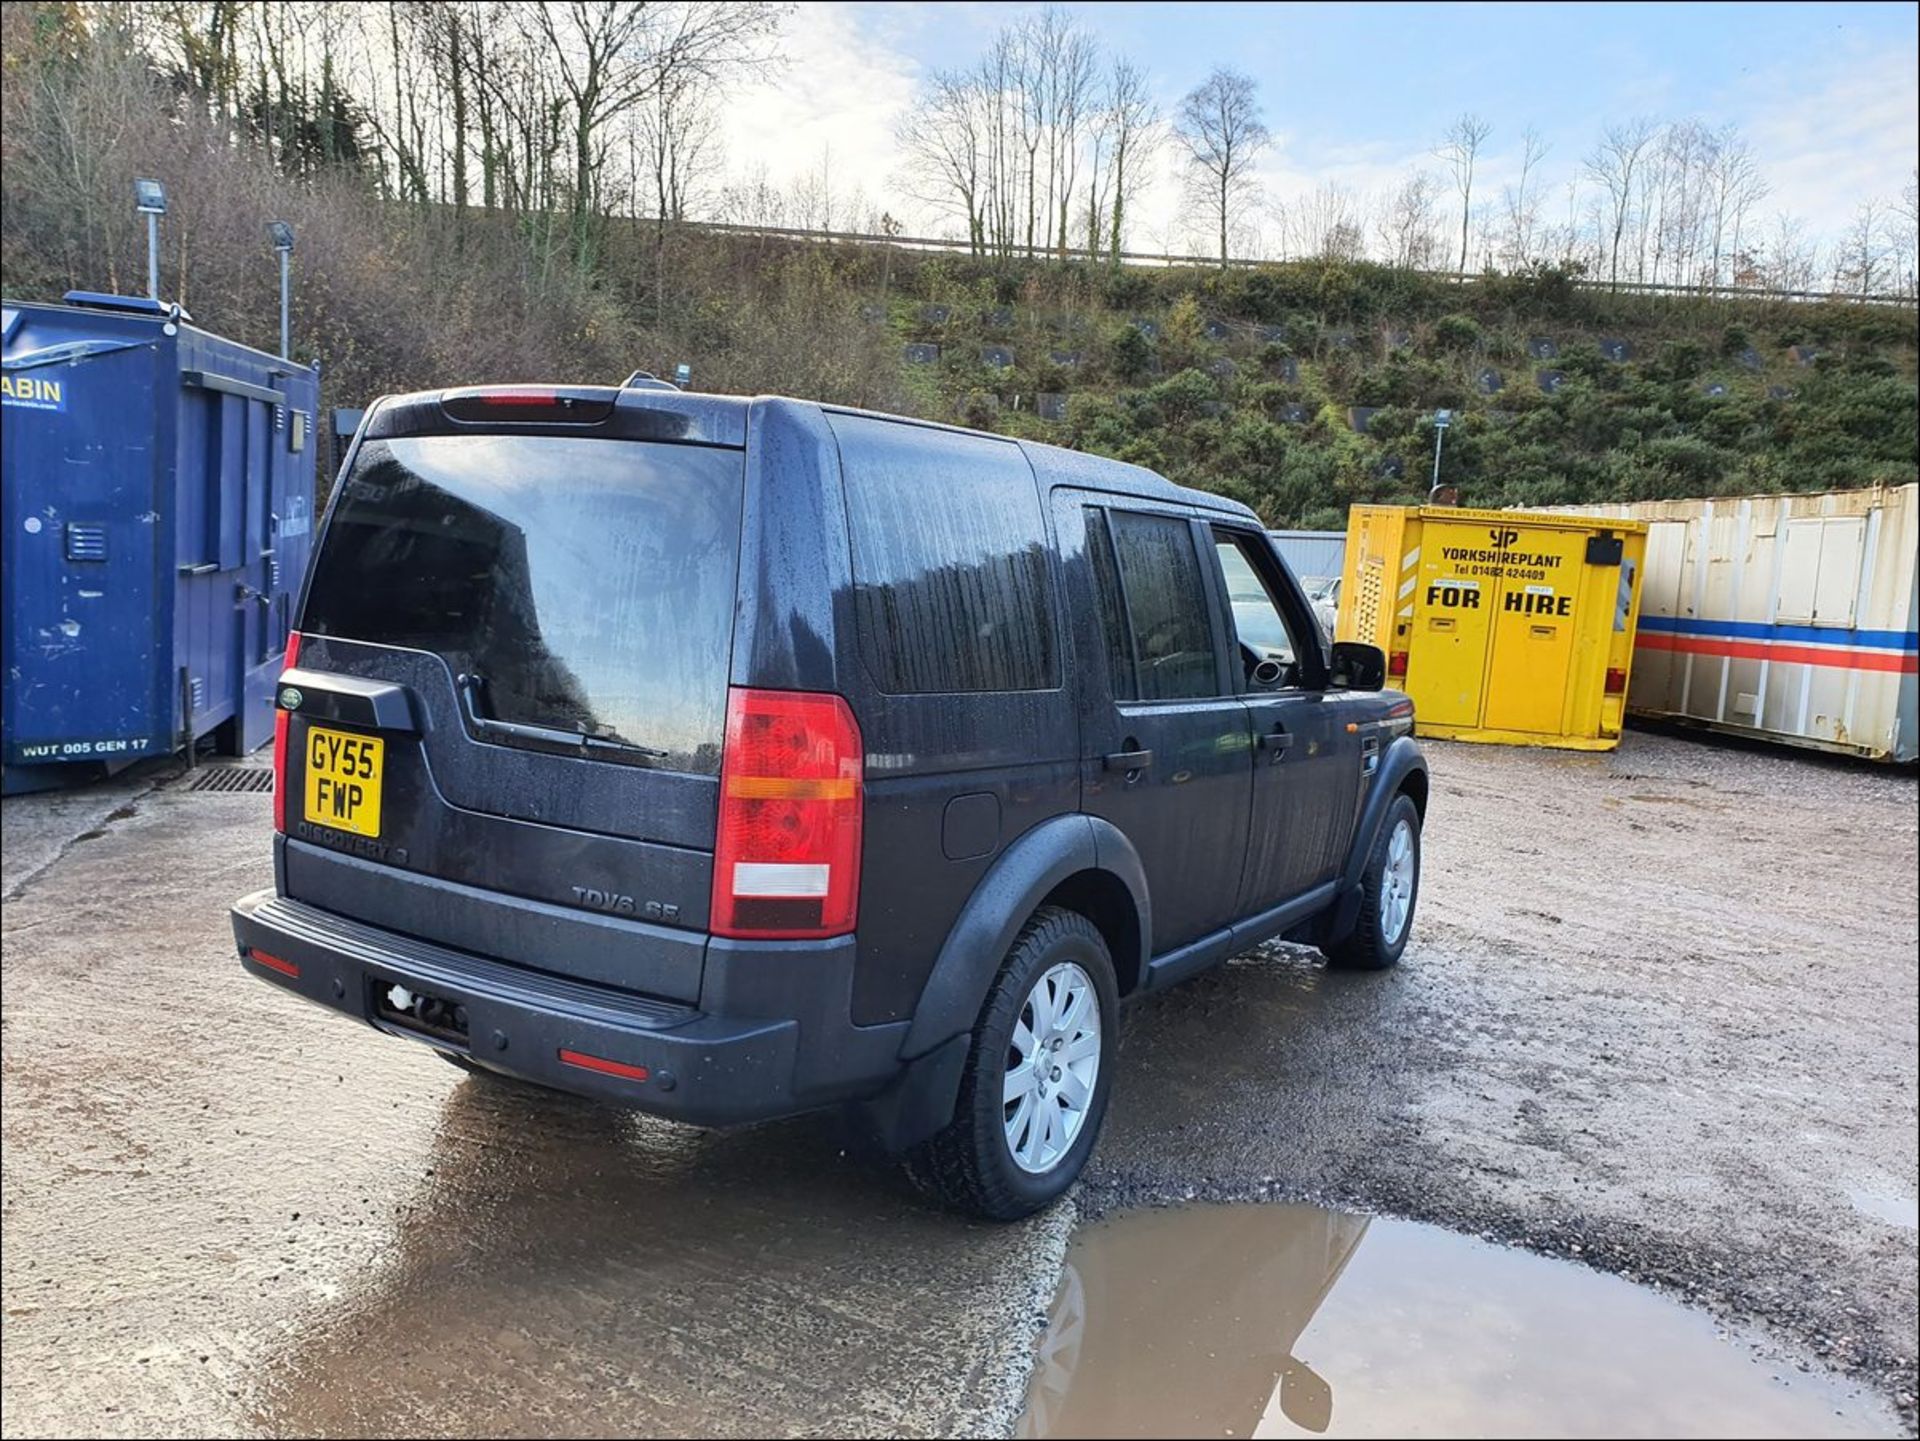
column 779, row 1042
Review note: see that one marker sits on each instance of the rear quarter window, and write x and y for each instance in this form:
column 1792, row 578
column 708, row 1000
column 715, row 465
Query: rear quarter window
column 1167, row 613
column 589, row 582
column 953, row 580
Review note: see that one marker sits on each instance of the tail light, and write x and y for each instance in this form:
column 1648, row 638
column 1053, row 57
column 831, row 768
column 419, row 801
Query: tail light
column 1397, row 663
column 786, row 861
column 281, row 716
column 1616, row 680
column 788, row 852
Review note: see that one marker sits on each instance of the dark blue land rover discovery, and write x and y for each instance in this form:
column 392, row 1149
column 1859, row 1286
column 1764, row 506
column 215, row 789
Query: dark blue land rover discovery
column 729, row 758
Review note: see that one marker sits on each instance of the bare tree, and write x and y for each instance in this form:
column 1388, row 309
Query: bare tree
column 754, row 200
column 1460, row 148
column 1128, row 130
column 1520, row 203
column 1612, row 164
column 812, row 200
column 1664, row 202
column 1734, row 185
column 1406, row 225
column 1000, row 80
column 1029, row 113
column 677, row 130
column 1857, row 264
column 1326, row 224
column 1065, row 73
column 1903, row 234
column 1220, row 128
column 948, row 156
column 611, row 56
column 1792, row 257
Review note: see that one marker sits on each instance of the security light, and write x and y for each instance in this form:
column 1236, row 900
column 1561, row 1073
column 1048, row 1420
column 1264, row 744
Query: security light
column 1436, row 494
column 281, row 234
column 150, row 200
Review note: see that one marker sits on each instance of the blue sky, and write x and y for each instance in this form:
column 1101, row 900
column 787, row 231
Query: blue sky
column 1826, row 93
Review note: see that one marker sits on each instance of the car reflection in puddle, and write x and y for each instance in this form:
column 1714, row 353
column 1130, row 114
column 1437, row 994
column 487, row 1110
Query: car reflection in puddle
column 1276, row 1320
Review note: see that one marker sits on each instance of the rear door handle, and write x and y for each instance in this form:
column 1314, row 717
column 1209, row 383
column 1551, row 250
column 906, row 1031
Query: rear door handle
column 1277, row 741
column 1128, row 760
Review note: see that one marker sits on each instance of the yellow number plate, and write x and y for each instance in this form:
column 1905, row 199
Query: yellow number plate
column 343, row 780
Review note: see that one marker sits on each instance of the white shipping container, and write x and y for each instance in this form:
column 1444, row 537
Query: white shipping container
column 1789, row 617
column 1315, row 555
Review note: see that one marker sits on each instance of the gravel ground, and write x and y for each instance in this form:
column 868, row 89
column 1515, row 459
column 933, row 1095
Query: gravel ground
column 230, row 1213
column 1659, row 1016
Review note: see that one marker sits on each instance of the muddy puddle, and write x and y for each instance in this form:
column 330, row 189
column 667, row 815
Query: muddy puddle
column 1281, row 1320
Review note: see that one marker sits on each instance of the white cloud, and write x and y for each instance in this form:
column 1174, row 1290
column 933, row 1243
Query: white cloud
column 836, row 96
column 1845, row 134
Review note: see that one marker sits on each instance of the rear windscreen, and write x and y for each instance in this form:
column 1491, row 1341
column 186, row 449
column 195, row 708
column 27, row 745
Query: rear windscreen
column 587, row 583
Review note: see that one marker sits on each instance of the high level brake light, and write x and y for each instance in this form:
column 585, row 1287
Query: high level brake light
column 280, row 718
column 520, row 397
column 531, row 404
column 786, row 860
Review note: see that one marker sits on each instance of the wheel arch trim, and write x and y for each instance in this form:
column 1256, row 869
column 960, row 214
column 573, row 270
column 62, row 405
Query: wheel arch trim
column 1014, row 887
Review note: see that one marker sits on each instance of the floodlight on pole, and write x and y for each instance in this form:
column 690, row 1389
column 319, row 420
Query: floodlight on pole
column 1441, row 420
column 281, row 234
column 150, row 200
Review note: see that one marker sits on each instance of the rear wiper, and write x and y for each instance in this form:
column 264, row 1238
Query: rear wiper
column 469, row 685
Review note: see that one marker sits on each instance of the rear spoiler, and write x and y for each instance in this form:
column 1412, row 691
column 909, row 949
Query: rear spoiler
column 614, row 412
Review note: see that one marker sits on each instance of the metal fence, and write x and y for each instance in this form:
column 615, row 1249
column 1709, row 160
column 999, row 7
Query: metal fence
column 1171, row 261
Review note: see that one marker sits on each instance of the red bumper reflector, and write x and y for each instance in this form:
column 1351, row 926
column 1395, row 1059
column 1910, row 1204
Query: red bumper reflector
column 602, row 1065
column 273, row 963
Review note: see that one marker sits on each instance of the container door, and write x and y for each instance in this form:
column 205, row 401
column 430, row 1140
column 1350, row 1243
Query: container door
column 1455, row 596
column 222, row 440
column 82, row 654
column 1533, row 630
column 260, row 632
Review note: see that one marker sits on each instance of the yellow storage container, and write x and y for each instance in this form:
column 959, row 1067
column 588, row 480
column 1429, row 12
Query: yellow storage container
column 1507, row 626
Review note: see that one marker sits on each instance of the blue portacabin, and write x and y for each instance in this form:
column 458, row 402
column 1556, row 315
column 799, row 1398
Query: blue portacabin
column 157, row 513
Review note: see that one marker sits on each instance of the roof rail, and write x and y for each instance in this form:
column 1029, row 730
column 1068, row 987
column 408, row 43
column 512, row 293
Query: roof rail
column 647, row 380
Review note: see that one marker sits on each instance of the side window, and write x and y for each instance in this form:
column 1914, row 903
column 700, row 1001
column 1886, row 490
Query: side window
column 1259, row 622
column 1113, row 606
column 1166, row 607
column 953, row 580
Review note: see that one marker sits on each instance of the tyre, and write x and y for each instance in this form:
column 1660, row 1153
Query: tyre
column 1388, row 889
column 1037, row 1077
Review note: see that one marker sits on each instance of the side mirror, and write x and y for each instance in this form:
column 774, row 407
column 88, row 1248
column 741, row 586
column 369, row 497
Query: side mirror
column 1357, row 666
